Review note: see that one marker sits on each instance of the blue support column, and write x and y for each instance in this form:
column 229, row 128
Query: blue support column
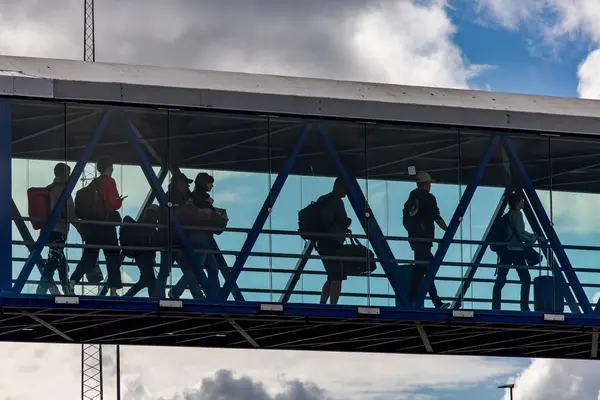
column 262, row 216
column 57, row 212
column 151, row 196
column 558, row 274
column 297, row 272
column 26, row 235
column 162, row 199
column 546, row 225
column 6, row 196
column 369, row 224
column 479, row 253
column 459, row 213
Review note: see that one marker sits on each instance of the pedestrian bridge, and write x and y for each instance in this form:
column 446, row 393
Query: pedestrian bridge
column 274, row 144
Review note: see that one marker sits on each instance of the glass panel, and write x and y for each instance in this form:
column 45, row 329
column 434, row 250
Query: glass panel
column 512, row 288
column 573, row 202
column 478, row 262
column 324, row 279
column 398, row 157
column 141, row 249
column 38, row 145
column 288, row 247
column 227, row 158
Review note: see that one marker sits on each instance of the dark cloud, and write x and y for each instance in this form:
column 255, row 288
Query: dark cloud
column 224, row 386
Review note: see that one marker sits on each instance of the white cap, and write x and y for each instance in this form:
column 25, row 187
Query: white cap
column 424, row 177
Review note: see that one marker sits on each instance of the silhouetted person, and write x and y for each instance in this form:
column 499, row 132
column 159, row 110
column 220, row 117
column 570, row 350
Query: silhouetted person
column 201, row 239
column 514, row 253
column 56, row 254
column 335, row 217
column 103, row 235
column 420, row 215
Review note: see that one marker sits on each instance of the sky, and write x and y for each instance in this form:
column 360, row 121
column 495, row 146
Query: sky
column 546, row 47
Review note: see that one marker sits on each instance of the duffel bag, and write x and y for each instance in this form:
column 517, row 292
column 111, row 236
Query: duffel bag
column 364, row 266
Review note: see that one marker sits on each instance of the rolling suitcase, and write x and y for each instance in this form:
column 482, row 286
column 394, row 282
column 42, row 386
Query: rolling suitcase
column 547, row 292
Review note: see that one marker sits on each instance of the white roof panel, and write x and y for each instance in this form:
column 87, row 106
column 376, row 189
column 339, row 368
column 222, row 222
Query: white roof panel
column 267, row 94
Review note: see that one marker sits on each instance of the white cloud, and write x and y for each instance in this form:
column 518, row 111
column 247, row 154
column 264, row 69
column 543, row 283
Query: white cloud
column 555, row 23
column 155, row 373
column 558, row 380
column 589, row 76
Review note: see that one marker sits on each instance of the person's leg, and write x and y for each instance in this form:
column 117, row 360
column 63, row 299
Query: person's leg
column 146, row 265
column 325, row 290
column 335, row 272
column 63, row 265
column 525, row 278
column 421, row 259
column 113, row 259
column 502, row 274
column 433, row 293
column 52, row 263
column 89, row 257
column 187, row 268
column 212, row 270
column 164, row 271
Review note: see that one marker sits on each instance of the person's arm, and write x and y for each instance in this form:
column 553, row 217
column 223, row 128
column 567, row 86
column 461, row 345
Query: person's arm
column 110, row 194
column 516, row 218
column 71, row 214
column 438, row 216
column 340, row 218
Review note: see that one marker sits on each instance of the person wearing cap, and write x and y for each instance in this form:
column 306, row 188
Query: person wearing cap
column 201, row 239
column 178, row 194
column 421, row 214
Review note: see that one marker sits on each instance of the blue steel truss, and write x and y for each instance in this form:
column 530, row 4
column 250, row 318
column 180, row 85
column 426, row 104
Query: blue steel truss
column 535, row 214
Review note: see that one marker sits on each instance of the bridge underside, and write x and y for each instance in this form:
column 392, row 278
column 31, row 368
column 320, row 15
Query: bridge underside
column 300, row 328
column 259, row 257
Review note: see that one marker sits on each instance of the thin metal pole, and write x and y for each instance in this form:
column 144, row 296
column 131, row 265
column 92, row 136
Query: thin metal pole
column 119, row 373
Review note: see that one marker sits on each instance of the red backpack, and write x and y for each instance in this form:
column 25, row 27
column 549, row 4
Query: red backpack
column 38, row 205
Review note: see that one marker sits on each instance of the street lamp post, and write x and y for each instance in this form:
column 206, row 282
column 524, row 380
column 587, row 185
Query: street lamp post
column 509, row 386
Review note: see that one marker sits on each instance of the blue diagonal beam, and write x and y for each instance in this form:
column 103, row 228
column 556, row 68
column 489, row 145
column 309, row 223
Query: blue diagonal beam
column 558, row 274
column 262, row 216
column 369, row 223
column 459, row 213
column 226, row 272
column 479, row 253
column 546, row 225
column 6, row 196
column 297, row 272
column 162, row 199
column 57, row 212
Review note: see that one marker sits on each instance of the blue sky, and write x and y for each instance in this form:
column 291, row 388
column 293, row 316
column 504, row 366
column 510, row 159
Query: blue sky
column 544, row 47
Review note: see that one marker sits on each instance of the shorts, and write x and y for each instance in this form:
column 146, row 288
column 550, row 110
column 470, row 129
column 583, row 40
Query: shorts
column 333, row 268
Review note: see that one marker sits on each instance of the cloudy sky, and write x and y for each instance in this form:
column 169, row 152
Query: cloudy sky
column 548, row 47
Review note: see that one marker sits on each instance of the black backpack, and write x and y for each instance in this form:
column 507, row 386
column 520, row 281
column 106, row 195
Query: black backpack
column 89, row 204
column 410, row 216
column 498, row 234
column 128, row 236
column 310, row 220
